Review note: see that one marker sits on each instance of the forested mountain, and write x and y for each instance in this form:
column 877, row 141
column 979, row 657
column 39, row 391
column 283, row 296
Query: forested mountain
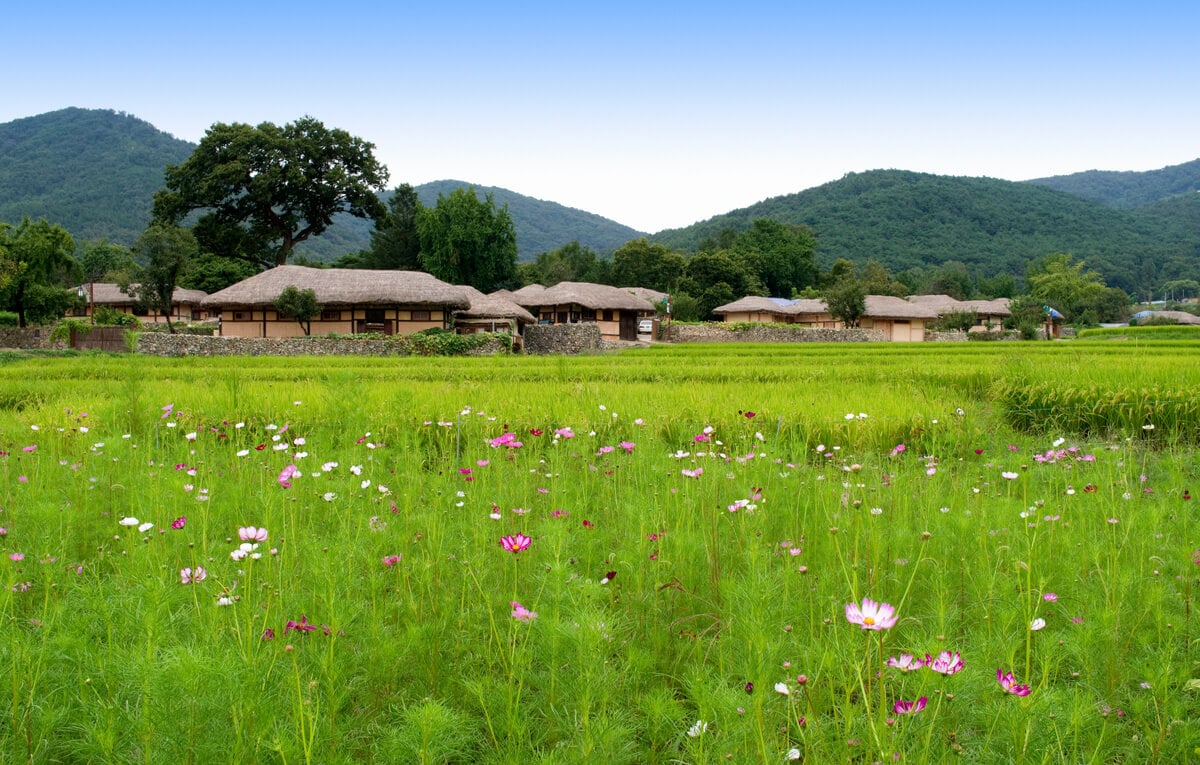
column 1127, row 190
column 95, row 172
column 92, row 171
column 910, row 220
column 541, row 226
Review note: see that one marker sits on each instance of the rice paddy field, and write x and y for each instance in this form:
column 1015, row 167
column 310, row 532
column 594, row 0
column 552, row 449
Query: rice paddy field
column 815, row 553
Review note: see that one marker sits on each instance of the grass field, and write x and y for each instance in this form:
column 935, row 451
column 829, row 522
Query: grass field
column 660, row 556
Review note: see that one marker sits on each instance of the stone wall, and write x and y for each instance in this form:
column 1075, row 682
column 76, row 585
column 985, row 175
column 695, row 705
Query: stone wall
column 563, row 338
column 769, row 333
column 27, row 338
column 156, row 344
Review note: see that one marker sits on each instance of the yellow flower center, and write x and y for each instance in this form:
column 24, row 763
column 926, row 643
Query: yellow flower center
column 869, row 621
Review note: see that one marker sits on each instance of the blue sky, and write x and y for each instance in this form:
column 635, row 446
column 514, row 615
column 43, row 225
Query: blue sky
column 656, row 115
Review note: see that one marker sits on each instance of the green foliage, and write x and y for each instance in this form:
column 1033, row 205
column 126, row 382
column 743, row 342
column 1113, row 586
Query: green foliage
column 94, row 171
column 960, row 321
column 782, row 256
column 846, row 301
column 67, row 328
column 262, row 190
column 912, row 220
column 1127, row 190
column 395, row 242
column 298, row 304
column 165, row 251
column 1081, row 296
column 572, row 262
column 43, row 254
column 212, row 273
column 8, row 319
column 640, row 263
column 107, row 316
column 468, row 241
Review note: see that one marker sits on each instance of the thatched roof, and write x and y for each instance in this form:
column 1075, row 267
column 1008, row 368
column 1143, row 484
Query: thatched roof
column 586, row 294
column 645, row 293
column 945, row 304
column 342, row 286
column 780, row 306
column 108, row 293
column 888, row 307
column 493, row 306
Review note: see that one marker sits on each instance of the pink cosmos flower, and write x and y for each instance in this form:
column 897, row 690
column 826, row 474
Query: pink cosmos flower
column 192, row 576
column 508, row 440
column 564, row 433
column 628, row 446
column 906, row 662
column 166, row 410
column 871, row 615
column 30, row 448
column 285, row 476
column 252, row 534
column 521, row 613
column 515, row 543
column 179, row 522
column 18, row 557
column 692, row 473
column 391, row 560
column 898, row 449
column 946, row 663
column 903, row 707
column 1009, row 683
column 1050, row 597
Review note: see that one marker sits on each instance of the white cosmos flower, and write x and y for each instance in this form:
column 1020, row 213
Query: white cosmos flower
column 1037, row 624
column 699, row 728
column 782, row 688
column 145, row 527
column 130, row 521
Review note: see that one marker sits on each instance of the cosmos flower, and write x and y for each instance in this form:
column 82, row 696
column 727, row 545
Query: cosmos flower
column 521, row 613
column 1009, row 683
column 946, row 663
column 300, row 626
column 192, row 576
column 698, row 729
column 871, row 615
column 252, row 534
column 906, row 662
column 515, row 543
column 903, row 707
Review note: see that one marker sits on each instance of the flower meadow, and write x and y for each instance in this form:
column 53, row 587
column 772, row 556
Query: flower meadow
column 676, row 555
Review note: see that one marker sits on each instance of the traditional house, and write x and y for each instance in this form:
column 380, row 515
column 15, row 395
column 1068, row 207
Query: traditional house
column 615, row 310
column 895, row 317
column 988, row 313
column 185, row 304
column 496, row 312
column 353, row 301
column 808, row 312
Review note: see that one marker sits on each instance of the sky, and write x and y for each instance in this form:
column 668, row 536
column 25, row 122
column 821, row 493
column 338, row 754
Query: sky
column 654, row 114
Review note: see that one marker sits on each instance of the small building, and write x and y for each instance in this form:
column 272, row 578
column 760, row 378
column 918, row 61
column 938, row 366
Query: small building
column 492, row 313
column 185, row 304
column 898, row 319
column 615, row 310
column 352, row 300
column 988, row 313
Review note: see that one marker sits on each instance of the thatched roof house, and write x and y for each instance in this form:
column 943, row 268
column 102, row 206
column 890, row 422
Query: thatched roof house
column 185, row 304
column 777, row 311
column 492, row 313
column 615, row 310
column 895, row 317
column 986, row 311
column 352, row 301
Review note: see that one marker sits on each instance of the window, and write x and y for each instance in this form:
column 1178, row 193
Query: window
column 331, row 315
column 420, row 315
column 241, row 316
column 589, row 315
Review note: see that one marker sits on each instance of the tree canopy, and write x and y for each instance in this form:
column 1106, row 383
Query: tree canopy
column 298, row 304
column 40, row 262
column 165, row 252
column 260, row 191
column 467, row 240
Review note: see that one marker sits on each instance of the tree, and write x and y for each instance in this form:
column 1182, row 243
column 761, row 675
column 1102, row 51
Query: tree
column 466, row 240
column 42, row 263
column 395, row 242
column 846, row 301
column 211, row 273
column 262, row 190
column 783, row 255
column 638, row 263
column 298, row 304
column 1061, row 282
column 165, row 251
column 572, row 262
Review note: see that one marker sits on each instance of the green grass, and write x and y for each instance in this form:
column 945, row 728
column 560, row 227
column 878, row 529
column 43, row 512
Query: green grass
column 657, row 606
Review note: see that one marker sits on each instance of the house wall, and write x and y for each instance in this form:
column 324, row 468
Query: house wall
column 267, row 323
column 610, row 329
column 180, row 312
column 897, row 330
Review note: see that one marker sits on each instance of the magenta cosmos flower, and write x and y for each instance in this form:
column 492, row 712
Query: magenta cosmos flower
column 871, row 615
column 1009, row 683
column 515, row 543
column 906, row 662
column 521, row 613
column 903, row 707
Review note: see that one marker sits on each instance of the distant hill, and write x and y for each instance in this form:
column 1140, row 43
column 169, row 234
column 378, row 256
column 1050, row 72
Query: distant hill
column 1128, row 190
column 541, row 226
column 914, row 220
column 93, row 171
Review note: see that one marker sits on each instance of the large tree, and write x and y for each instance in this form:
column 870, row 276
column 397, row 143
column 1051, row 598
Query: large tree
column 467, row 240
column 262, row 190
column 1058, row 280
column 782, row 255
column 395, row 242
column 41, row 264
column 638, row 263
column 165, row 251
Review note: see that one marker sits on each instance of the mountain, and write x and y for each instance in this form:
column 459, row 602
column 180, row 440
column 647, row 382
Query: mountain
column 1128, row 190
column 93, row 171
column 910, row 220
column 541, row 226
